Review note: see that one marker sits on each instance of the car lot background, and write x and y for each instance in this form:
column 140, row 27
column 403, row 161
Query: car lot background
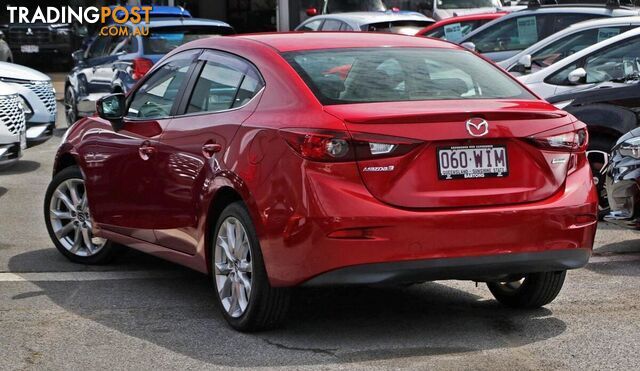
column 149, row 314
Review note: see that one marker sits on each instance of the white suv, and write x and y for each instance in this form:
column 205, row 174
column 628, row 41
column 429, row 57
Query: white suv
column 13, row 137
column 38, row 98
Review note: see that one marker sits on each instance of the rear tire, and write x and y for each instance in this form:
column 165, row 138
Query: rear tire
column 244, row 295
column 533, row 291
column 69, row 223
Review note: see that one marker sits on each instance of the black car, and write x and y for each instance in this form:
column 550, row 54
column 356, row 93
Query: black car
column 609, row 109
column 115, row 64
column 40, row 41
column 623, row 181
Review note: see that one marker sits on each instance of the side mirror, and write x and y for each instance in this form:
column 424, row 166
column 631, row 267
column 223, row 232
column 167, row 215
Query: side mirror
column 525, row 61
column 311, row 12
column 577, row 76
column 112, row 107
column 78, row 56
column 469, row 45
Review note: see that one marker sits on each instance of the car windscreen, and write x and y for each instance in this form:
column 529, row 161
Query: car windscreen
column 467, row 4
column 343, row 76
column 162, row 40
column 401, row 27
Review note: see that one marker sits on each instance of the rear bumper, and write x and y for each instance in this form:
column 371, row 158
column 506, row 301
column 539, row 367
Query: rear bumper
column 340, row 234
column 478, row 268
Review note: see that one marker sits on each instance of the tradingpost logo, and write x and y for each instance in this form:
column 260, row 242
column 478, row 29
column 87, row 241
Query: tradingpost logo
column 110, row 17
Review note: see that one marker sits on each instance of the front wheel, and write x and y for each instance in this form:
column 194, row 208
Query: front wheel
column 245, row 297
column 534, row 290
column 69, row 223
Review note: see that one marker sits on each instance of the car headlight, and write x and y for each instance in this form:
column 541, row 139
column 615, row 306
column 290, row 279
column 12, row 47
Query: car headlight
column 630, row 147
column 563, row 104
column 25, row 105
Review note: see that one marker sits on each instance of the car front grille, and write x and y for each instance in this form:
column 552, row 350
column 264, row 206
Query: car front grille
column 28, row 36
column 44, row 91
column 12, row 114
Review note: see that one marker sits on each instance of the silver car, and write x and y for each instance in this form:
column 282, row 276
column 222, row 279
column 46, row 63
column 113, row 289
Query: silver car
column 12, row 126
column 393, row 22
column 37, row 96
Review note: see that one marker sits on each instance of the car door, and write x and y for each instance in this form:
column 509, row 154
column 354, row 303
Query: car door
column 568, row 45
column 96, row 57
column 504, row 39
column 615, row 62
column 121, row 169
column 105, row 71
column 220, row 99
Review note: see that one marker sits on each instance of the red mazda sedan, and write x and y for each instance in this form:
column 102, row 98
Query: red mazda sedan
column 241, row 157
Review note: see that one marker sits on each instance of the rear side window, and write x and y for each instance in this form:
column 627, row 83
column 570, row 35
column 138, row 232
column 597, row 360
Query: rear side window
column 342, row 76
column 224, row 83
column 400, row 27
column 571, row 44
column 515, row 33
column 311, row 26
column 331, row 25
column 454, row 31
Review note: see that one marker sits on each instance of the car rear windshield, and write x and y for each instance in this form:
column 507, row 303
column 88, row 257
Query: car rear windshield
column 343, row 76
column 402, row 27
column 162, row 40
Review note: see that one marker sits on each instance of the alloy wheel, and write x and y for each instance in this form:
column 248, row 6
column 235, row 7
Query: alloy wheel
column 71, row 220
column 233, row 266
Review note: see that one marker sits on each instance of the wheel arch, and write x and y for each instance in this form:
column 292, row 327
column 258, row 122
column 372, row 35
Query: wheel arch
column 64, row 161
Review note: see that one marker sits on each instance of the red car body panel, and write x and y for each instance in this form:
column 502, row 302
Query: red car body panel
column 314, row 217
column 485, row 17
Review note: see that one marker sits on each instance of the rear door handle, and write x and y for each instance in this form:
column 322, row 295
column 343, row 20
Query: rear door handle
column 210, row 149
column 146, row 150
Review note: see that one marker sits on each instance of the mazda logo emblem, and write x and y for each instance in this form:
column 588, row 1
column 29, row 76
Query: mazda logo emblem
column 477, row 127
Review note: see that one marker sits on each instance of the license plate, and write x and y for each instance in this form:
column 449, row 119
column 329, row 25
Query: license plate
column 467, row 162
column 23, row 140
column 29, row 48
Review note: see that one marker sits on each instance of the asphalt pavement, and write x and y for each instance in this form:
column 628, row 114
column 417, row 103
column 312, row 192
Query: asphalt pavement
column 141, row 312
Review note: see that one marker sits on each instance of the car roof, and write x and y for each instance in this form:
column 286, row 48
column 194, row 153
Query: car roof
column 471, row 17
column 300, row 41
column 372, row 17
column 591, row 23
column 595, row 10
column 576, row 56
column 462, row 18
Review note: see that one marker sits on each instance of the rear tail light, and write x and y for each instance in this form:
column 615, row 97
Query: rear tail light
column 140, row 67
column 574, row 141
column 555, row 140
column 339, row 146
